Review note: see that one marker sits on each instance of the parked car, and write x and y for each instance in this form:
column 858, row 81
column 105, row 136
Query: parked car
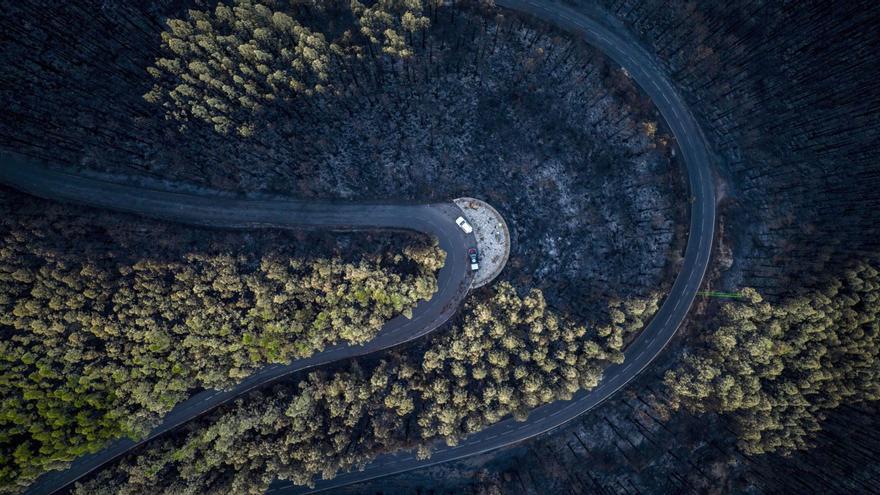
column 475, row 259
column 466, row 227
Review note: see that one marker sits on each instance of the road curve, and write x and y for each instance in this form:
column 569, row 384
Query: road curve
column 437, row 220
column 600, row 29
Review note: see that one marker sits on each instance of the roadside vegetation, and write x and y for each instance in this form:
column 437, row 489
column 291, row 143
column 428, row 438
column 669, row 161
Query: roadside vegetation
column 476, row 102
column 799, row 203
column 776, row 369
column 766, row 389
column 398, row 100
column 533, row 121
column 108, row 321
column 229, row 64
column 508, row 355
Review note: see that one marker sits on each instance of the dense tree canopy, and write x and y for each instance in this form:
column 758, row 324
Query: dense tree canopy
column 226, row 64
column 774, row 369
column 102, row 335
column 216, row 314
column 509, row 354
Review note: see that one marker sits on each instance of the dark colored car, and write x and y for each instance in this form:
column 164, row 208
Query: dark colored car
column 475, row 259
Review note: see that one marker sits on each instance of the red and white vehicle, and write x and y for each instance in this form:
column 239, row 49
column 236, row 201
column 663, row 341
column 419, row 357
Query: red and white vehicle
column 475, row 259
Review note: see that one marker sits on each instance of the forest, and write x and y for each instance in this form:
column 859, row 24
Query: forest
column 572, row 132
column 785, row 93
column 508, row 355
column 113, row 320
column 191, row 94
column 776, row 369
column 786, row 96
column 108, row 320
column 768, row 397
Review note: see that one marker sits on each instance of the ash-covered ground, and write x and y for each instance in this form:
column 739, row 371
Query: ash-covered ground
column 545, row 130
column 491, row 105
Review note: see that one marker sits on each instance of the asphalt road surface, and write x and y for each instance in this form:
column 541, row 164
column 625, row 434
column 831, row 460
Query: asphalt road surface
column 601, row 30
column 597, row 28
column 437, row 220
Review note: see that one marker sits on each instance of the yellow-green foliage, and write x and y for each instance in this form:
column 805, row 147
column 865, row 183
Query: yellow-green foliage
column 774, row 369
column 224, row 66
column 97, row 344
column 509, row 354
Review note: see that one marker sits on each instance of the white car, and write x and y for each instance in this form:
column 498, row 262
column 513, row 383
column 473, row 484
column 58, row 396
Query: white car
column 466, row 227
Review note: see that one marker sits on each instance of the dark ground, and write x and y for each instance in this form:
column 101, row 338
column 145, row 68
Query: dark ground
column 585, row 180
column 510, row 111
column 785, row 95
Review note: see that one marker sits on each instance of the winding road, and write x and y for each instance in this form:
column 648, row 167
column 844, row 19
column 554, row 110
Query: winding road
column 437, row 220
column 596, row 27
column 601, row 30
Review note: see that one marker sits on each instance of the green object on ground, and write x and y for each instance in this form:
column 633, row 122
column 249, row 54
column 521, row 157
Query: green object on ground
column 722, row 295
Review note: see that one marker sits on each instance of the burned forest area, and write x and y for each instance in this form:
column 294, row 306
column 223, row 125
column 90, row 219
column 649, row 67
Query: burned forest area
column 317, row 328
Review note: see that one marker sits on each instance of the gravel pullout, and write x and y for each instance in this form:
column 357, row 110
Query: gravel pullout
column 493, row 238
